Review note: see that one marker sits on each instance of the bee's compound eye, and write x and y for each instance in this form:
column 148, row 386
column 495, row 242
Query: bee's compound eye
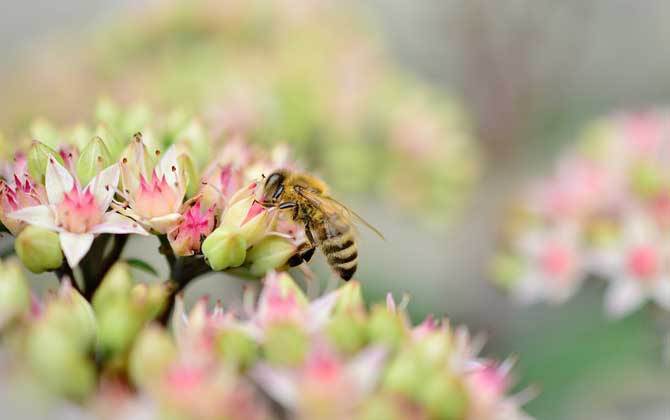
column 273, row 185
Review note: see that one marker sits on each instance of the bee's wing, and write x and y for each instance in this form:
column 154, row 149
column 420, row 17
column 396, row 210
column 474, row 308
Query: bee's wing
column 335, row 210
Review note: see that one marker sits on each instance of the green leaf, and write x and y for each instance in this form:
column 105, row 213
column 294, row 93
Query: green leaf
column 142, row 265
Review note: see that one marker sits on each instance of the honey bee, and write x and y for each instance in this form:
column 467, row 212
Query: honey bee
column 328, row 223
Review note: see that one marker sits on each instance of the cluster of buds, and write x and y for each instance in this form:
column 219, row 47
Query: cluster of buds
column 278, row 354
column 603, row 214
column 289, row 72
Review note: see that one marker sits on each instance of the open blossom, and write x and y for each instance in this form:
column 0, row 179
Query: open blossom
column 553, row 265
column 154, row 195
column 281, row 301
column 195, row 225
column 637, row 266
column 326, row 386
column 77, row 213
column 21, row 193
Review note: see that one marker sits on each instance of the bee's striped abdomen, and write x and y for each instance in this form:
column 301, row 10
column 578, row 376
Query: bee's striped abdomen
column 338, row 244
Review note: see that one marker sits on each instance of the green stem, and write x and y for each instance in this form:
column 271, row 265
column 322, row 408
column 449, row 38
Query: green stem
column 66, row 271
column 99, row 266
column 182, row 272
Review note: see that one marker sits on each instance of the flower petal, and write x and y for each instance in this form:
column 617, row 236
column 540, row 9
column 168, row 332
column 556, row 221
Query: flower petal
column 113, row 222
column 623, row 297
column 58, row 181
column 42, row 216
column 320, row 309
column 366, row 368
column 280, row 384
column 162, row 224
column 103, row 186
column 75, row 246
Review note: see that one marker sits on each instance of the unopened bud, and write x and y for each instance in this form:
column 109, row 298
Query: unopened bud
column 272, row 252
column 152, row 354
column 236, row 348
column 386, row 327
column 93, row 158
column 286, row 344
column 118, row 325
column 190, row 174
column 350, row 298
column 224, row 248
column 115, row 286
column 443, row 396
column 38, row 155
column 73, row 315
column 149, row 299
column 14, row 291
column 39, row 249
column 347, row 331
column 115, row 144
column 59, row 363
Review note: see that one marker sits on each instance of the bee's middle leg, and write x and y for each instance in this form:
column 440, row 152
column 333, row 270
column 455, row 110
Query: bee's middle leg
column 306, row 250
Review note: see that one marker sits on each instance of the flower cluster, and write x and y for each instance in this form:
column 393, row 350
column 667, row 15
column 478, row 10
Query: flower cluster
column 275, row 355
column 604, row 213
column 274, row 70
column 65, row 198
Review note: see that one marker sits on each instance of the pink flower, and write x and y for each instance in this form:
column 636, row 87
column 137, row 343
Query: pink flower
column 554, row 264
column 637, row 267
column 76, row 213
column 326, row 384
column 281, row 300
column 153, row 199
column 26, row 193
column 186, row 238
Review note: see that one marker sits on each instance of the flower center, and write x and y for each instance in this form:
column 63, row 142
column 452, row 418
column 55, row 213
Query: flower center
column 78, row 212
column 643, row 262
column 155, row 198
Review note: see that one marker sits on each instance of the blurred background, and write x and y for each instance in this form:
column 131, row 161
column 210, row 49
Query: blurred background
column 514, row 80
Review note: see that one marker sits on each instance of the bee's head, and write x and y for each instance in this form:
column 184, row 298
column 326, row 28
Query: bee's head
column 274, row 187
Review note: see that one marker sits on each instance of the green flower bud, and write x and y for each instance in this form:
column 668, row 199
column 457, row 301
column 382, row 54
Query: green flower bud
column 286, row 344
column 237, row 212
column 443, row 396
column 224, row 248
column 386, row 327
column 191, row 175
column 14, row 291
column 59, row 363
column 39, row 249
column 114, row 143
column 350, row 298
column 151, row 356
column 149, row 299
column 405, row 374
column 93, row 158
column 236, row 348
column 116, row 285
column 80, row 135
column 37, row 159
column 272, row 252
column 347, row 331
column 118, row 325
column 73, row 315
